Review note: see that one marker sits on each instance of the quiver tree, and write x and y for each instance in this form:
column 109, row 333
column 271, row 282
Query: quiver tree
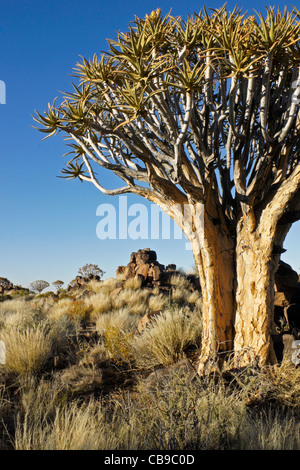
column 58, row 284
column 203, row 114
column 39, row 286
column 91, row 270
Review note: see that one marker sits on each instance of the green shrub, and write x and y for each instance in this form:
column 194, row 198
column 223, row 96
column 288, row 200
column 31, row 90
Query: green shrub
column 78, row 310
column 118, row 344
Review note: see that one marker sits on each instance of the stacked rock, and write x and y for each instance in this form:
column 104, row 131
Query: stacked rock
column 144, row 264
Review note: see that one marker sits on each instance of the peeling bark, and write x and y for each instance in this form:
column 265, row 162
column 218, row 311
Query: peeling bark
column 255, row 271
column 213, row 249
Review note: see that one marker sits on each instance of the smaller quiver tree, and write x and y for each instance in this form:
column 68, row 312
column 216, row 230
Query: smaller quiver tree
column 89, row 271
column 58, row 284
column 38, row 286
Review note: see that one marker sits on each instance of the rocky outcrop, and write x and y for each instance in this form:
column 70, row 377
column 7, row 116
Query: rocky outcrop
column 7, row 287
column 144, row 265
column 80, row 282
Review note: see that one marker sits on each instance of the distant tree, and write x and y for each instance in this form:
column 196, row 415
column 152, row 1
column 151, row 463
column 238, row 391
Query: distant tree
column 58, row 284
column 39, row 286
column 90, row 270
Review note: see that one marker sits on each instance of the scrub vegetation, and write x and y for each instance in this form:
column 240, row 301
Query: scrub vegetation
column 77, row 374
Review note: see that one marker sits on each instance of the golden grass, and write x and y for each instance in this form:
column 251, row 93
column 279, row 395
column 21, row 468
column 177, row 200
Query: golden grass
column 135, row 300
column 105, row 287
column 120, row 319
column 177, row 414
column 74, row 427
column 178, row 280
column 157, row 302
column 60, row 309
column 168, row 336
column 27, row 351
column 133, row 283
column 99, row 303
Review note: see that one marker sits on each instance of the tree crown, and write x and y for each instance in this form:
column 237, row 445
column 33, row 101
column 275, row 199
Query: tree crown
column 39, row 286
column 90, row 270
column 183, row 110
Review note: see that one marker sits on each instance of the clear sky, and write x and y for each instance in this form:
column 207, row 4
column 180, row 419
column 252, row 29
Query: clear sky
column 47, row 224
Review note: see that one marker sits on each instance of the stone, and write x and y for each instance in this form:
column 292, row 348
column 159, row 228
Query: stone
column 287, row 340
column 142, row 256
column 132, row 258
column 120, row 270
column 7, row 287
column 155, row 272
column 147, row 319
column 171, row 267
column 280, row 299
column 143, row 263
column 129, row 270
column 143, row 270
column 286, row 279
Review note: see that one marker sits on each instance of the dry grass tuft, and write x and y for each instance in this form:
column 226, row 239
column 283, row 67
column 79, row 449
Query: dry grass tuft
column 100, row 303
column 120, row 319
column 133, row 283
column 167, row 338
column 27, row 351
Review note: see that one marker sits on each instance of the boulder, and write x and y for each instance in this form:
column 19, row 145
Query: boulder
column 129, row 270
column 143, row 263
column 143, row 270
column 287, row 341
column 120, row 270
column 287, row 297
column 7, row 287
column 281, row 299
column 171, row 267
column 155, row 272
column 145, row 255
column 286, row 280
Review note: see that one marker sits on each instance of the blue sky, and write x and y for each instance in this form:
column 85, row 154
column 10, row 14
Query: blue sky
column 48, row 225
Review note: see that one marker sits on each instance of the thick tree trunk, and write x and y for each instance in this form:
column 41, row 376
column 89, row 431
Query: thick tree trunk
column 257, row 260
column 237, row 275
column 237, row 281
column 256, row 265
column 213, row 249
